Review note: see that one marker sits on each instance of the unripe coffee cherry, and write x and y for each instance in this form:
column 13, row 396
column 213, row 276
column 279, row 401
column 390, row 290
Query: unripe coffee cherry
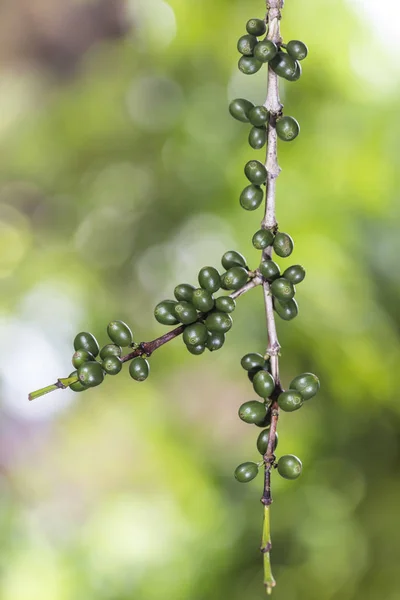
column 288, row 310
column 255, row 172
column 287, row 128
column 263, row 384
column 209, row 279
column 253, row 412
column 295, row 274
column 195, row 334
column 186, row 312
column 258, row 137
column 307, row 384
column 110, row 350
column 235, row 278
column 262, row 239
column 240, row 109
column 263, row 439
column 256, row 27
column 282, row 289
column 246, row 472
column 246, row 44
column 112, row 365
column 266, row 422
column 265, row 51
column 258, row 116
column 269, row 269
column 249, row 65
column 86, row 341
column 283, row 65
column 202, row 300
column 215, row 341
column 77, row 386
column 252, row 361
column 91, row 374
column 251, row 197
column 80, row 357
column 297, row 49
column 184, row 291
column 225, row 304
column 231, row 258
column 196, row 350
column 219, row 322
column 120, row 333
column 289, row 466
column 139, row 368
column 297, row 74
column 164, row 312
column 290, row 400
column 283, row 244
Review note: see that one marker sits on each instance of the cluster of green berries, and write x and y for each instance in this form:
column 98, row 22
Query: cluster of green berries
column 256, row 412
column 92, row 363
column 206, row 318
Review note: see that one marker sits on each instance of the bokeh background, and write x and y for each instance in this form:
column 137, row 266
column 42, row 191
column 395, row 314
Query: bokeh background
column 120, row 171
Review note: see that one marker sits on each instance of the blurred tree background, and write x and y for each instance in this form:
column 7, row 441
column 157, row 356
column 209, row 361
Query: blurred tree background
column 120, row 172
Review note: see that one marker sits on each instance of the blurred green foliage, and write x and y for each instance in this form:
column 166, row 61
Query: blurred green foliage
column 123, row 181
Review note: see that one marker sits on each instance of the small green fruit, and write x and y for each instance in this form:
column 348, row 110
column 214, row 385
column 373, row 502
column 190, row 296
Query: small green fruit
column 225, row 304
column 209, row 279
column 203, row 300
column 186, row 313
column 289, row 466
column 282, row 289
column 263, row 439
column 297, row 74
column 231, row 258
column 256, row 27
column 283, row 65
column 288, row 310
column 266, row 422
column 120, row 333
column 91, row 374
column 215, row 341
column 269, row 269
column 265, row 51
column 184, row 291
column 249, row 65
column 86, row 341
column 295, row 274
column 263, row 384
column 246, row 44
column 219, row 322
column 80, row 357
column 307, row 384
column 253, row 362
column 258, row 137
column 110, row 350
column 246, row 472
column 240, row 109
column 253, row 412
column 262, row 239
column 196, row 350
column 77, row 386
column 112, row 365
column 255, row 172
column 195, row 334
column 164, row 312
column 287, row 128
column 290, row 400
column 139, row 369
column 258, row 116
column 251, row 197
column 297, row 49
column 283, row 244
column 235, row 278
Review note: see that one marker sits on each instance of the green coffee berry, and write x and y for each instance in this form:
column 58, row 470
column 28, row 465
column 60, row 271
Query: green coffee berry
column 290, row 400
column 282, row 289
column 249, row 65
column 251, row 197
column 209, row 279
column 269, row 269
column 253, row 362
column 246, row 44
column 185, row 312
column 246, row 472
column 266, row 422
column 263, row 439
column 253, row 412
column 86, row 341
column 225, row 304
column 196, row 350
column 202, row 300
column 263, row 384
column 297, row 49
column 215, row 340
column 255, row 172
column 91, row 374
column 288, row 310
column 112, row 365
column 235, row 278
column 110, row 350
column 184, row 291
column 219, row 322
column 307, row 384
column 289, row 466
column 283, row 65
column 258, row 116
column 256, row 27
column 164, row 312
column 139, row 368
column 258, row 137
column 265, row 51
column 120, row 333
column 78, row 385
column 80, row 357
column 283, row 244
column 295, row 274
column 231, row 258
column 240, row 109
column 297, row 74
column 195, row 334
column 287, row 128
column 262, row 239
